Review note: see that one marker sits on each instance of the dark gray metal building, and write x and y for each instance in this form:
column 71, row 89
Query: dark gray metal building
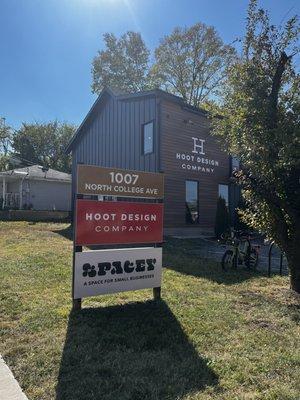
column 157, row 132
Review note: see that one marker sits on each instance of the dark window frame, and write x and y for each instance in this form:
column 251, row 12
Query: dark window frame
column 152, row 121
column 196, row 222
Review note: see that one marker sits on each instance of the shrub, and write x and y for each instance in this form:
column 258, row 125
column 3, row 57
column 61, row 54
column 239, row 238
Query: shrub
column 222, row 224
column 239, row 224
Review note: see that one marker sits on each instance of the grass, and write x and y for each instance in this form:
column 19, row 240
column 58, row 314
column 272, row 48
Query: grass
column 214, row 335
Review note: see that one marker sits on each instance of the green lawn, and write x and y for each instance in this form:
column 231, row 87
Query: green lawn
column 213, row 336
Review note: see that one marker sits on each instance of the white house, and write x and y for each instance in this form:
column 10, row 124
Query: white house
column 35, row 188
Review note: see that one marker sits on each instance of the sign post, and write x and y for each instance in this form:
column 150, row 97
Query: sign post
column 105, row 216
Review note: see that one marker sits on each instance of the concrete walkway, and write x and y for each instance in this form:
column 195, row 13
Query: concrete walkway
column 9, row 387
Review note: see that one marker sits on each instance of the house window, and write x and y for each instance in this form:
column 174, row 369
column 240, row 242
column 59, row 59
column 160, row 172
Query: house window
column 147, row 133
column 191, row 202
column 223, row 192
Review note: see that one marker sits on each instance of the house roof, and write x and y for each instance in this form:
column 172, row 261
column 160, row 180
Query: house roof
column 111, row 92
column 37, row 172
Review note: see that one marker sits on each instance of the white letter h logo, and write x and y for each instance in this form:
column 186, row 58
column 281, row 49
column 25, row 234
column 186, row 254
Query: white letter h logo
column 198, row 146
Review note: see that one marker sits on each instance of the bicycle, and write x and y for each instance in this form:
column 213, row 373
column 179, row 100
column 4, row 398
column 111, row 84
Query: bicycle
column 242, row 252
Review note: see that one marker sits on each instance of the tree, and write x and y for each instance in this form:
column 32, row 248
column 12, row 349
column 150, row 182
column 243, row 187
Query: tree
column 44, row 144
column 4, row 162
column 123, row 64
column 260, row 124
column 192, row 63
column 222, row 224
column 5, row 137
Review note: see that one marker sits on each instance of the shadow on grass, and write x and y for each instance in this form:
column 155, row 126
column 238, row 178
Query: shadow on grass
column 178, row 256
column 67, row 233
column 131, row 352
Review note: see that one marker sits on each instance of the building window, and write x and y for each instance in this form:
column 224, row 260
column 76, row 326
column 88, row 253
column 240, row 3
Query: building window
column 191, row 202
column 235, row 164
column 147, row 137
column 223, row 192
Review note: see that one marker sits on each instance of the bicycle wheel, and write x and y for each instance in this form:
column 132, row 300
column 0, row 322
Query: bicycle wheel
column 252, row 259
column 228, row 260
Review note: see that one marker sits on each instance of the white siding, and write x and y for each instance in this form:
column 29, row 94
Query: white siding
column 49, row 195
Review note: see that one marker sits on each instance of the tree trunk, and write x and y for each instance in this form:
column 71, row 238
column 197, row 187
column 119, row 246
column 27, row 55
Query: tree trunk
column 293, row 259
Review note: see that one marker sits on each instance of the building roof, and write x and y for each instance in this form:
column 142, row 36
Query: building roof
column 37, row 172
column 109, row 92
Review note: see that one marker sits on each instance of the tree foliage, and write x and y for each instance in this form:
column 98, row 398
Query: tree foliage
column 44, row 144
column 5, row 137
column 4, row 162
column 260, row 124
column 192, row 63
column 6, row 134
column 122, row 65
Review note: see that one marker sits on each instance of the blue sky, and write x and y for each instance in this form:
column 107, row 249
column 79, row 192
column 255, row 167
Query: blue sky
column 47, row 46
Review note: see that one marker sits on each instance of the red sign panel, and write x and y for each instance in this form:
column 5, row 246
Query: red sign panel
column 108, row 222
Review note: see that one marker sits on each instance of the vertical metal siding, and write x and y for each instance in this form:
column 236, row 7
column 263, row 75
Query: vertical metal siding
column 113, row 137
